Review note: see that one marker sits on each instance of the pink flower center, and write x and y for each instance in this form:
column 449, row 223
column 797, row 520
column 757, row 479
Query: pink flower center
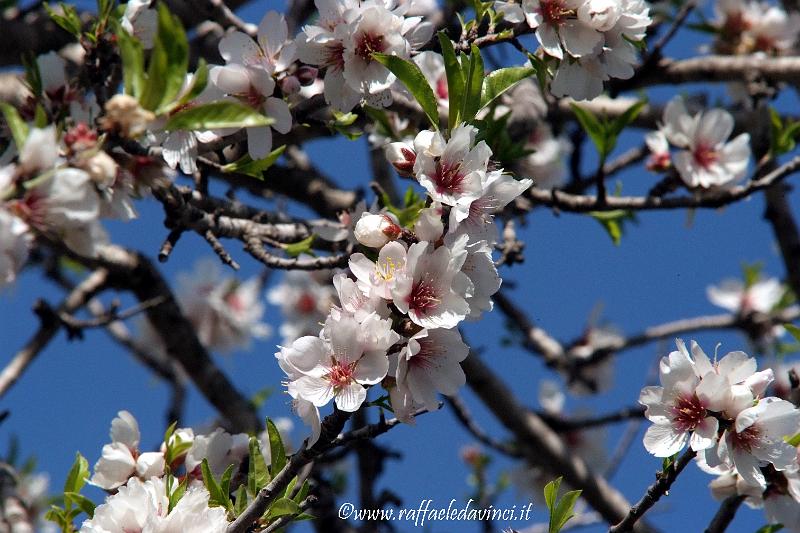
column 234, row 302
column 448, row 177
column 553, row 11
column 423, row 297
column 367, row 44
column 341, row 375
column 428, row 351
column 746, row 439
column 253, row 98
column 306, row 304
column 688, row 412
column 705, row 155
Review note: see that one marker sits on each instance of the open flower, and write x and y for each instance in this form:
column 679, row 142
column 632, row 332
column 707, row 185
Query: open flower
column 272, row 50
column 380, row 278
column 706, row 159
column 334, row 370
column 433, row 290
column 430, row 363
column 121, row 458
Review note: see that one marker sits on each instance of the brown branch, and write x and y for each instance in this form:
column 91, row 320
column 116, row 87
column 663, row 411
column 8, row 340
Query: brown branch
column 779, row 215
column 463, row 415
column 255, row 248
column 585, row 203
column 725, row 514
column 541, row 446
column 654, row 493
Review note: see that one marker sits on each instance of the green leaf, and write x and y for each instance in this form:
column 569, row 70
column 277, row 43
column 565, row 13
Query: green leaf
column 614, row 222
column 301, row 247
column 32, row 74
column 257, row 474
column 303, row 492
column 81, row 502
column 551, row 493
column 501, row 80
column 593, row 127
column 104, row 10
column 409, row 73
column 564, row 511
column 40, row 117
column 283, row 507
column 277, row 452
column 247, row 166
column 770, row 528
column 78, row 474
column 199, row 83
column 176, row 495
column 455, row 79
column 131, row 52
column 223, row 114
column 473, row 84
column 169, row 61
column 216, row 497
column 241, row 501
column 629, row 115
column 794, row 440
column 18, row 127
column 69, row 20
column 793, row 330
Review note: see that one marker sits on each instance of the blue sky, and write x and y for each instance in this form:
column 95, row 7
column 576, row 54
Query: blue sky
column 67, row 398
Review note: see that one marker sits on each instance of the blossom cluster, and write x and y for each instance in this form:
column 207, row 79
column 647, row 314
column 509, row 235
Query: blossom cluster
column 720, row 409
column 705, row 158
column 140, row 501
column 61, row 186
column 410, row 286
column 344, row 39
column 754, row 26
column 593, row 40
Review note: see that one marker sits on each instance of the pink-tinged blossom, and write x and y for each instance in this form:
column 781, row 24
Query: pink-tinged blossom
column 121, row 458
column 546, row 165
column 220, row 448
column 430, row 362
column 761, row 296
column 226, row 313
column 706, row 158
column 479, row 267
column 141, row 21
column 757, row 439
column 304, row 298
column 433, row 290
column 676, row 409
column 354, row 302
column 254, row 86
column 375, row 231
column 144, row 507
column 432, row 66
column 336, row 369
column 453, row 172
column 379, row 278
column 272, row 50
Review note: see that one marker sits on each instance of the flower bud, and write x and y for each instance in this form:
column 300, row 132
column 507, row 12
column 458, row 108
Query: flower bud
column 376, row 230
column 600, row 15
column 290, row 85
column 306, row 75
column 402, row 157
column 125, row 116
column 100, row 167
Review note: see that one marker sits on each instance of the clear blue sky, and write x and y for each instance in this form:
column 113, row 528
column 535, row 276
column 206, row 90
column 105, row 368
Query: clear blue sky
column 66, row 400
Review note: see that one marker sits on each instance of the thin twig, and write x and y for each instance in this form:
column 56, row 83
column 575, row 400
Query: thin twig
column 654, row 493
column 725, row 514
column 465, row 417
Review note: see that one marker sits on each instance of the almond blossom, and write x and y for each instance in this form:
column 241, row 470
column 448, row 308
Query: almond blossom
column 304, row 298
column 15, row 242
column 761, row 296
column 380, row 277
column 272, row 50
column 225, row 313
column 706, row 158
column 121, row 458
column 433, row 290
column 144, row 506
column 430, row 363
column 336, row 369
column 141, row 21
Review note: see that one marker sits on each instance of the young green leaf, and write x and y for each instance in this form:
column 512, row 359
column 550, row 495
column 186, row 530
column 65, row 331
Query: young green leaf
column 257, row 474
column 455, row 79
column 256, row 169
column 169, row 61
column 276, row 449
column 215, row 495
column 81, row 502
column 474, row 83
column 68, row 19
column 500, row 81
column 300, row 247
column 593, row 127
column 283, row 507
column 223, row 114
column 78, row 474
column 614, row 222
column 629, row 115
column 564, row 511
column 18, row 127
column 131, row 52
column 551, row 493
column 241, row 501
column 199, row 83
column 409, row 73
